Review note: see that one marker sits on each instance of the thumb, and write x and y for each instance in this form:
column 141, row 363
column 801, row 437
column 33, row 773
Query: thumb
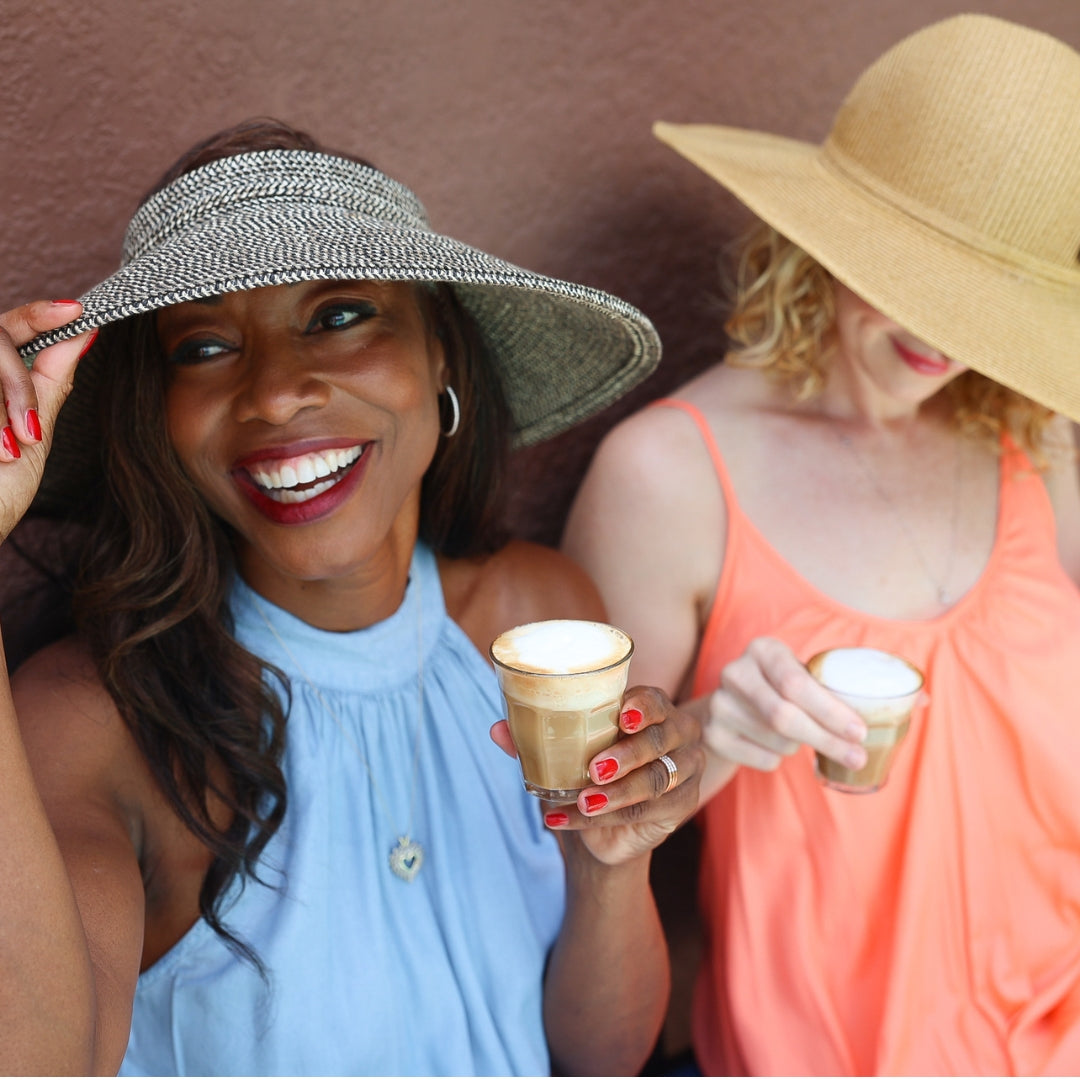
column 53, row 374
column 500, row 736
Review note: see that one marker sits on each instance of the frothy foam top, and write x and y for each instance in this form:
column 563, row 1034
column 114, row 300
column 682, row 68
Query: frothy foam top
column 561, row 646
column 868, row 673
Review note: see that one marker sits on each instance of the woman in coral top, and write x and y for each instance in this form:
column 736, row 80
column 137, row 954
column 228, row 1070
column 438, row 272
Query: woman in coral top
column 885, row 459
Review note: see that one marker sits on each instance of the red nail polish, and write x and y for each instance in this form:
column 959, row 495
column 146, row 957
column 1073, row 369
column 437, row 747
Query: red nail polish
column 595, row 802
column 33, row 425
column 93, row 338
column 606, row 769
column 556, row 817
column 631, row 719
column 10, row 445
column 62, row 303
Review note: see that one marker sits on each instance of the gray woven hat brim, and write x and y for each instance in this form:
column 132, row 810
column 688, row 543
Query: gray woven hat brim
column 563, row 351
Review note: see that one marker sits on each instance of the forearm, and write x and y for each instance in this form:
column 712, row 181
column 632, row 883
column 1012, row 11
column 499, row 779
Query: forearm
column 608, row 980
column 46, row 978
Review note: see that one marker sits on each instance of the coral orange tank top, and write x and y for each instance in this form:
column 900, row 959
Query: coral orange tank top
column 932, row 927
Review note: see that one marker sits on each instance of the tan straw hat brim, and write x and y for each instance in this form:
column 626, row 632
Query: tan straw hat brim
column 947, row 196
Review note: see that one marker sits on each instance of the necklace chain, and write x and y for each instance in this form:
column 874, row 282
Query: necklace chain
column 941, row 591
column 406, row 856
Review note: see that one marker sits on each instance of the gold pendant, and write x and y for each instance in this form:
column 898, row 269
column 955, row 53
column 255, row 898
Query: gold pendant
column 406, row 858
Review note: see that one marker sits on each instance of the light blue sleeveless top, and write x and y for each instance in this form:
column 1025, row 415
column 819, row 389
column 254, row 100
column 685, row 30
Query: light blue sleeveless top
column 367, row 973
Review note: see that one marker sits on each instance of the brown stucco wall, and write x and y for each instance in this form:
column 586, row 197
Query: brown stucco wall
column 524, row 126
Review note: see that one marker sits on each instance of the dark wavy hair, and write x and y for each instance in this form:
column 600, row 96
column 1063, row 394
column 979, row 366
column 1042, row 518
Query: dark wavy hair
column 152, row 597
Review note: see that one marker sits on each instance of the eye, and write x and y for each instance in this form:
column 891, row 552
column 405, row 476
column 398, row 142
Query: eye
column 340, row 315
column 197, row 352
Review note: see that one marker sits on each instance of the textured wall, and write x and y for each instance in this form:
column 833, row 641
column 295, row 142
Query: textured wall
column 524, row 126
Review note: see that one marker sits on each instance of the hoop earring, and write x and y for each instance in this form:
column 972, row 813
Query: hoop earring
column 457, row 413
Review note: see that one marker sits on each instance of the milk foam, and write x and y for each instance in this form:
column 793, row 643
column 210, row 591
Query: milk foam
column 561, row 646
column 868, row 673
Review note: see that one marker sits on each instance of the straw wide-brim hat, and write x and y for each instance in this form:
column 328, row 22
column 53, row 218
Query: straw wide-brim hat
column 946, row 195
column 563, row 351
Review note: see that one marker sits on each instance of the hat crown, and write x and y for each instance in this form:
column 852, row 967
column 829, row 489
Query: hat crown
column 973, row 125
column 263, row 177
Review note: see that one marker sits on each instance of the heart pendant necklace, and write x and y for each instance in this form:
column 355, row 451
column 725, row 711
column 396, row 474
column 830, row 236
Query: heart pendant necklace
column 406, row 856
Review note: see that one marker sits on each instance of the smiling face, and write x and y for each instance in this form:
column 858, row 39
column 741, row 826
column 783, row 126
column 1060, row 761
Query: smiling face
column 306, row 416
column 881, row 356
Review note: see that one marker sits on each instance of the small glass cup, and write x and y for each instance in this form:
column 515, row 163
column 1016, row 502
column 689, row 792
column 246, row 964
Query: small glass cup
column 883, row 689
column 563, row 682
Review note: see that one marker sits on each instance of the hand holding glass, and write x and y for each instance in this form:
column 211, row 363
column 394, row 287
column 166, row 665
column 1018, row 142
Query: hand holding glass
column 883, row 689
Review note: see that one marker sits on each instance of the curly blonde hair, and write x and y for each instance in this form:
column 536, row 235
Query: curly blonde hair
column 781, row 323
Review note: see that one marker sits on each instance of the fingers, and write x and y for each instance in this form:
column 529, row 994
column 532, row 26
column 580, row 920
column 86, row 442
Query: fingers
column 23, row 324
column 500, row 736
column 633, row 783
column 768, row 705
column 32, row 398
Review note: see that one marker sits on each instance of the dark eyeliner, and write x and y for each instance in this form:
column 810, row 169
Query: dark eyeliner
column 361, row 309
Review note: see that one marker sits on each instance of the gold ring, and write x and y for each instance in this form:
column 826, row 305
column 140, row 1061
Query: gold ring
column 672, row 771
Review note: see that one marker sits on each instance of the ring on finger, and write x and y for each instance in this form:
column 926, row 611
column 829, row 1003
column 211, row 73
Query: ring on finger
column 672, row 772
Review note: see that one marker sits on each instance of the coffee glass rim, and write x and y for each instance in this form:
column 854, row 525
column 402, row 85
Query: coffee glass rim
column 868, row 696
column 564, row 674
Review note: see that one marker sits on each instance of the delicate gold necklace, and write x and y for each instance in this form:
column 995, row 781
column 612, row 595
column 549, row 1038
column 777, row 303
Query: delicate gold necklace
column 406, row 856
column 941, row 590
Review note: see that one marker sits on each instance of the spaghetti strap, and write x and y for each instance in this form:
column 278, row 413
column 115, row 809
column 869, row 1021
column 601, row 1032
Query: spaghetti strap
column 698, row 417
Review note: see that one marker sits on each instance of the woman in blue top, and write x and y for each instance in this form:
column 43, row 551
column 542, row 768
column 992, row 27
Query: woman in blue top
column 253, row 820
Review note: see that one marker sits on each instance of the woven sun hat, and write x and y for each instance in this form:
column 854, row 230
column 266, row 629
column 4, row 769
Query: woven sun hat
column 946, row 195
column 274, row 217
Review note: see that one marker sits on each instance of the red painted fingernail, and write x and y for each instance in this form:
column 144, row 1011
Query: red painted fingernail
column 606, row 769
column 10, row 445
column 556, row 817
column 93, row 338
column 65, row 303
column 631, row 719
column 595, row 802
column 33, row 425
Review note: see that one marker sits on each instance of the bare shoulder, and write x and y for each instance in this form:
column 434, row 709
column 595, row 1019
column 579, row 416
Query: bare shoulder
column 76, row 740
column 522, row 582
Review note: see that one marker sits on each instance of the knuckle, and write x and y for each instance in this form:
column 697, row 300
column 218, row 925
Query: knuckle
column 783, row 718
column 635, row 812
column 789, row 680
column 656, row 737
column 736, row 677
column 658, row 778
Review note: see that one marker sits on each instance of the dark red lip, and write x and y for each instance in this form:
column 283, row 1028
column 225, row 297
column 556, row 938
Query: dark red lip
column 296, row 448
column 305, row 512
column 924, row 365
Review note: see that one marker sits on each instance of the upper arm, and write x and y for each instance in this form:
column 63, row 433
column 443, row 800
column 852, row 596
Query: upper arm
column 89, row 778
column 648, row 525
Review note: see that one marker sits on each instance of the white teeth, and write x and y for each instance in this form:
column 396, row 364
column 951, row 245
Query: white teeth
column 278, row 479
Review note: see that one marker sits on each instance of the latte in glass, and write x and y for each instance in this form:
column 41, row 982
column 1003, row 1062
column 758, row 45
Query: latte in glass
column 563, row 681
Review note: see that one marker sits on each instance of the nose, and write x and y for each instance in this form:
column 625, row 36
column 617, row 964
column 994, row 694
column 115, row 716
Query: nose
column 278, row 381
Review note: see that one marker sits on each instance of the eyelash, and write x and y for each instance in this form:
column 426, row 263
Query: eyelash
column 188, row 352
column 194, row 352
